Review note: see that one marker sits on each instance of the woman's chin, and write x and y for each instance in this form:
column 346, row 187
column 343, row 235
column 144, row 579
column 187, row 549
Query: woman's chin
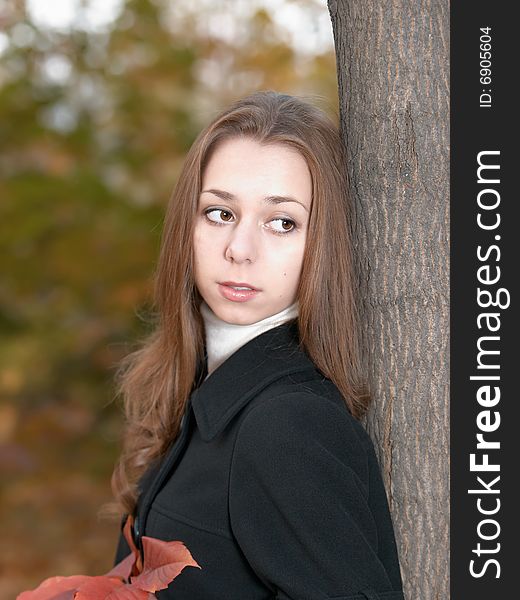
column 237, row 313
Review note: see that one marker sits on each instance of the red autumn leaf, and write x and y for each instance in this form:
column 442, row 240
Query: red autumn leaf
column 55, row 588
column 163, row 561
column 109, row 588
column 127, row 533
column 98, row 588
column 123, row 569
column 127, row 592
column 128, row 580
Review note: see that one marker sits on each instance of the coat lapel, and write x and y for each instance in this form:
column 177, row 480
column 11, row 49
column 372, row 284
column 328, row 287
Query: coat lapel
column 257, row 364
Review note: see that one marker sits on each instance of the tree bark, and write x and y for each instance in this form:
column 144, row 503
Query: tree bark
column 393, row 78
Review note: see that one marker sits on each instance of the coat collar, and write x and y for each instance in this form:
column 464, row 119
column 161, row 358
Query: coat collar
column 255, row 365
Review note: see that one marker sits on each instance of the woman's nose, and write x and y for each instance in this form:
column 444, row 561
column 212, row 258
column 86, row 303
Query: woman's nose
column 242, row 243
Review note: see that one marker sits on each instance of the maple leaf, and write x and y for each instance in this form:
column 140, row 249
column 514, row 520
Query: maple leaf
column 97, row 588
column 81, row 587
column 108, row 588
column 163, row 561
column 137, row 567
column 130, row 579
column 123, row 569
column 55, row 588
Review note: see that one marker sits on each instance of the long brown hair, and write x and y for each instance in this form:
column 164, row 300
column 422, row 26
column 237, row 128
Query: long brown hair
column 157, row 379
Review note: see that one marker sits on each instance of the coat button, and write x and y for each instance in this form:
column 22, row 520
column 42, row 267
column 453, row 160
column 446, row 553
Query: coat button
column 136, row 530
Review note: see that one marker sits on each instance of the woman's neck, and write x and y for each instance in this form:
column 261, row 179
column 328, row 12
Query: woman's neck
column 223, row 339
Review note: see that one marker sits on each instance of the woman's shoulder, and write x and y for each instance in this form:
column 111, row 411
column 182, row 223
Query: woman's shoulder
column 311, row 400
column 300, row 418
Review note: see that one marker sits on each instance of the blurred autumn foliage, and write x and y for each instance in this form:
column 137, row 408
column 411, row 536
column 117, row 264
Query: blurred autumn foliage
column 94, row 125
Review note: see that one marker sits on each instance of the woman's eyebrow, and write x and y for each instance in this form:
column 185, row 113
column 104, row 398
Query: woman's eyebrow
column 267, row 199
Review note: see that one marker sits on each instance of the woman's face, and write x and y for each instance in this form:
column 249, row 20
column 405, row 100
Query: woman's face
column 250, row 229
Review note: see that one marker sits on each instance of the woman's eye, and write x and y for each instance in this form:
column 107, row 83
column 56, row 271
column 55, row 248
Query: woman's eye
column 218, row 215
column 284, row 225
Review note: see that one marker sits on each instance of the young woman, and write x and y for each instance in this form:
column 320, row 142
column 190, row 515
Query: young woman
column 243, row 439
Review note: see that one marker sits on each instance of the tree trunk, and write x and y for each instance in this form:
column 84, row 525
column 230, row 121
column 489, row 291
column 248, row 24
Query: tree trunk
column 393, row 77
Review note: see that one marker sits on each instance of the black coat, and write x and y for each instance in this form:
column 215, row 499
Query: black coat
column 273, row 487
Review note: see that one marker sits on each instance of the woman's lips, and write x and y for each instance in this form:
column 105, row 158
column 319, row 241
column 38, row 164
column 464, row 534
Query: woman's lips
column 236, row 295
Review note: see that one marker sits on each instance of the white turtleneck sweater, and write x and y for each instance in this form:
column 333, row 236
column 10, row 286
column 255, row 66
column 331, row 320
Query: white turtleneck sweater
column 223, row 339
